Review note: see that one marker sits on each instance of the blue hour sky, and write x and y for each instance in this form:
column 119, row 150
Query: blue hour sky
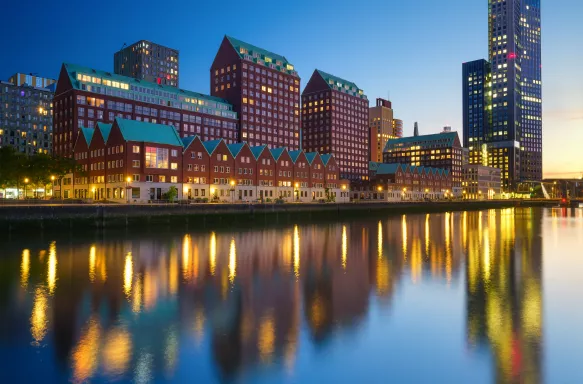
column 412, row 50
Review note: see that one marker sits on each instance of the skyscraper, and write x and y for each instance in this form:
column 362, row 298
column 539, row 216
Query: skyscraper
column 381, row 128
column 145, row 60
column 513, row 137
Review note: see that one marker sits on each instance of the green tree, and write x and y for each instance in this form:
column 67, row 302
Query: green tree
column 12, row 166
column 172, row 193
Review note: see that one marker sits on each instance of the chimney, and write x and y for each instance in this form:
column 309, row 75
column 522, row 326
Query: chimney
column 416, row 130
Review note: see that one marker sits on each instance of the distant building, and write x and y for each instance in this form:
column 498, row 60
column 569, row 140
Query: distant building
column 442, row 150
column 148, row 61
column 264, row 89
column 481, row 182
column 335, row 120
column 381, row 128
column 446, row 129
column 397, row 128
column 26, row 113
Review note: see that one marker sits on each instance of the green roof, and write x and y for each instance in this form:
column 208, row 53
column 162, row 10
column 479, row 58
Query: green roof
column 142, row 131
column 105, row 130
column 258, row 150
column 311, row 156
column 140, row 89
column 326, row 158
column 186, row 141
column 387, row 169
column 87, row 134
column 235, row 148
column 277, row 152
column 261, row 56
column 211, row 145
column 444, row 139
column 252, row 48
column 295, row 154
column 333, row 82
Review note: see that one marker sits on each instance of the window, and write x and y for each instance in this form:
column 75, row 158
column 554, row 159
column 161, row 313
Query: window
column 136, row 163
column 174, row 153
column 156, row 158
column 136, row 177
column 162, row 178
column 174, row 179
column 136, row 149
column 173, row 165
column 149, row 178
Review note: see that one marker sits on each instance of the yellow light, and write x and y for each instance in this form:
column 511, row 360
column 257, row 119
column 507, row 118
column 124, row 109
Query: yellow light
column 404, row 189
column 296, row 256
column 212, row 191
column 297, row 185
column 128, row 179
column 53, row 178
column 52, row 272
column 213, row 253
column 232, row 262
column 25, row 268
column 232, row 183
column 38, row 317
column 344, row 187
column 128, row 274
column 26, row 180
column 380, row 188
column 92, row 264
column 344, row 246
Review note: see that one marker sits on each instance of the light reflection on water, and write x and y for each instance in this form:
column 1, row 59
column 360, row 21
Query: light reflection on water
column 262, row 305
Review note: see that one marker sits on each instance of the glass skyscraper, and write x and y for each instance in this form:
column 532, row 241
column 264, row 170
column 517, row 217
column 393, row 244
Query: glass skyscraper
column 511, row 121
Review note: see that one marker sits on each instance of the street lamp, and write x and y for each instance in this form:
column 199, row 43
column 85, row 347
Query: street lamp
column 128, row 187
column 232, row 191
column 297, row 185
column 52, row 186
column 25, row 185
column 379, row 188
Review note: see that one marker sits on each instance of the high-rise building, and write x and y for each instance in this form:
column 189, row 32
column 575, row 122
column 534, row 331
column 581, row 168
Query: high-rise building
column 335, row 120
column 441, row 150
column 148, row 61
column 26, row 113
column 397, row 127
column 381, row 128
column 263, row 88
column 85, row 96
column 477, row 111
column 514, row 136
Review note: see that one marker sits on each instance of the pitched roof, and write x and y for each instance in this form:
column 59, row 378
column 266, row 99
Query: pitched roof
column 87, row 134
column 277, row 152
column 311, row 156
column 235, row 148
column 444, row 139
column 237, row 44
column 211, row 145
column 142, row 131
column 186, row 141
column 258, row 150
column 295, row 154
column 325, row 158
column 105, row 130
column 373, row 165
column 388, row 169
column 168, row 94
column 337, row 83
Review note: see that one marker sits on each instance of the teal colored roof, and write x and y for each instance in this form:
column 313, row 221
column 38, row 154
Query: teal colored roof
column 388, row 169
column 295, row 154
column 258, row 150
column 337, row 83
column 186, row 141
column 443, row 139
column 325, row 158
column 373, row 165
column 142, row 131
column 161, row 94
column 277, row 152
column 105, row 130
column 311, row 156
column 87, row 134
column 235, row 148
column 237, row 44
column 211, row 145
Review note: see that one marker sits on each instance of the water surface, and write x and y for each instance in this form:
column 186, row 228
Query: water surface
column 465, row 297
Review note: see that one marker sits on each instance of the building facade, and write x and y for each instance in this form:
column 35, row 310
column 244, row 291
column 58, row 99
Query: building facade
column 85, row 96
column 133, row 161
column 26, row 114
column 481, row 182
column 381, row 128
column 442, row 150
column 477, row 112
column 335, row 120
column 148, row 61
column 263, row 88
column 397, row 128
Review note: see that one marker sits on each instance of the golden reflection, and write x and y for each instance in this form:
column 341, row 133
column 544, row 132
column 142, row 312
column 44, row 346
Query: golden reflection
column 38, row 317
column 173, row 272
column 25, row 268
column 171, row 350
column 416, row 261
column 137, row 299
column 287, row 248
column 232, row 261
column 150, row 290
column 296, row 251
column 380, row 241
column 92, row 264
column 52, row 272
column 383, row 276
column 117, row 351
column 85, row 353
column 128, row 273
column 344, row 246
column 532, row 309
column 213, row 254
column 486, row 246
column 427, row 252
column 186, row 246
column 404, row 235
column 199, row 320
column 266, row 338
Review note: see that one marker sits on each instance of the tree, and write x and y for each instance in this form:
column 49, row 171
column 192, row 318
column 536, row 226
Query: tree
column 171, row 194
column 12, row 164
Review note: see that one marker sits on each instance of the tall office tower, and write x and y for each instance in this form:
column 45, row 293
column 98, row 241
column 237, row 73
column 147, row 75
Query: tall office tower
column 397, row 127
column 147, row 61
column 515, row 55
column 381, row 128
column 416, row 129
column 263, row 88
column 335, row 120
column 26, row 113
column 477, row 119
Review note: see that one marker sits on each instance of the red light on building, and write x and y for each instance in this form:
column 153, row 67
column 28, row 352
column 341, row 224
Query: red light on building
column 158, row 80
column 512, row 55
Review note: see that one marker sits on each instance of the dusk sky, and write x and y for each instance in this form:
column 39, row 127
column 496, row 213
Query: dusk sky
column 412, row 50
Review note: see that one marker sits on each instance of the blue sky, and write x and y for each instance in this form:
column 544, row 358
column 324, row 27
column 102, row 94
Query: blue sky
column 411, row 49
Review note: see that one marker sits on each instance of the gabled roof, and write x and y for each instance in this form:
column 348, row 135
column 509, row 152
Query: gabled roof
column 333, row 81
column 277, row 152
column 105, row 130
column 186, row 141
column 258, row 150
column 87, row 134
column 443, row 139
column 373, row 165
column 325, row 158
column 142, row 131
column 211, row 145
column 235, row 148
column 310, row 156
column 295, row 154
column 237, row 44
column 388, row 169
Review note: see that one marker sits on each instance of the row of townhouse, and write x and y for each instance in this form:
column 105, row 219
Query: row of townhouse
column 398, row 182
column 146, row 159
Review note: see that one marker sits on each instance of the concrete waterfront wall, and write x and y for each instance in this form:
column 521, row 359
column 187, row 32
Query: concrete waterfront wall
column 40, row 217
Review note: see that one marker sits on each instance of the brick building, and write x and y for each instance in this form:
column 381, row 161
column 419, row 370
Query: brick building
column 85, row 96
column 263, row 88
column 335, row 121
column 381, row 128
column 145, row 159
column 148, row 61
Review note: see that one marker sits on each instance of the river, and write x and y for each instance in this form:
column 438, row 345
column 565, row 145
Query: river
column 461, row 297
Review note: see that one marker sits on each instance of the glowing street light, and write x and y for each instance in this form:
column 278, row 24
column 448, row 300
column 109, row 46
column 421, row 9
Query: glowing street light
column 25, row 185
column 232, row 191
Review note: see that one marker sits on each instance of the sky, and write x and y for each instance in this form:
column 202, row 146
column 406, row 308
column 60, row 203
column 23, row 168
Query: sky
column 409, row 50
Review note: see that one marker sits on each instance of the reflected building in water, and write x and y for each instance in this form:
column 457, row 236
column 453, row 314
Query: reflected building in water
column 504, row 290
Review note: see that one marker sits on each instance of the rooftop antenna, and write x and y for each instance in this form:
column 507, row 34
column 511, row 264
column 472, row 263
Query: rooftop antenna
column 123, row 46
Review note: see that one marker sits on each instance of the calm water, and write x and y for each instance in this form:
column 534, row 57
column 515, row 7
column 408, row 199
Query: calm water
column 476, row 297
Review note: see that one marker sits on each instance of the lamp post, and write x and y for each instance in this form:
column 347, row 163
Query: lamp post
column 128, row 187
column 404, row 193
column 296, row 185
column 52, row 186
column 25, row 185
column 426, row 192
column 232, row 191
